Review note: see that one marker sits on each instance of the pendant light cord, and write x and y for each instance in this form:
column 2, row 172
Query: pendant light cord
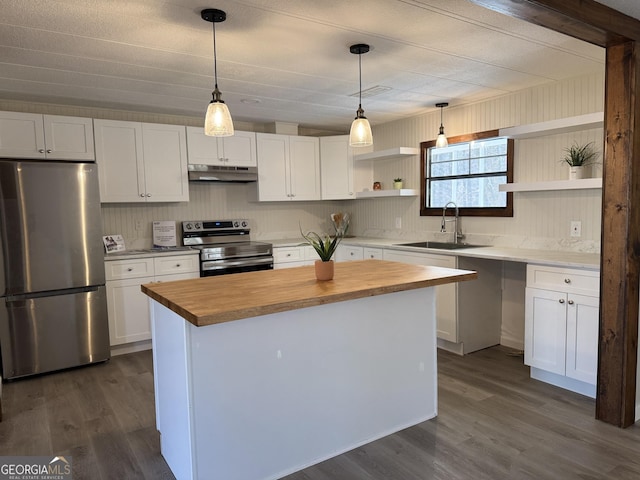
column 360, row 76
column 215, row 56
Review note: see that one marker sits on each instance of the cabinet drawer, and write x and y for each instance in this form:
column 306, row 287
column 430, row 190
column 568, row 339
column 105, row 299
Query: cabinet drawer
column 348, row 253
column 123, row 269
column 176, row 264
column 372, row 253
column 568, row 280
column 288, row 254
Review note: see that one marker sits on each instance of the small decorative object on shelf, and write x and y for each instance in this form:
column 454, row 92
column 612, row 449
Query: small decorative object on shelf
column 377, row 186
column 397, row 183
column 325, row 246
column 578, row 157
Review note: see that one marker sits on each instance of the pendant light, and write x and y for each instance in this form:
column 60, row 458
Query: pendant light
column 441, row 141
column 217, row 122
column 360, row 135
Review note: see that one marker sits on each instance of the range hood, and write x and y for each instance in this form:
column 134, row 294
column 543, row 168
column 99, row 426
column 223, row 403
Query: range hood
column 214, row 173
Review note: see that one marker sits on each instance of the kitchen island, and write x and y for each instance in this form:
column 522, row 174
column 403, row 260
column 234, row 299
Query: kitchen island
column 260, row 374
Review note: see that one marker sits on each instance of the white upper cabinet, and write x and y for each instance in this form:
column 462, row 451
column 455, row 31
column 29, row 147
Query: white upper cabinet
column 288, row 167
column 141, row 162
column 336, row 168
column 55, row 137
column 238, row 150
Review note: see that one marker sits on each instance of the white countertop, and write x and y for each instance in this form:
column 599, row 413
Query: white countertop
column 542, row 257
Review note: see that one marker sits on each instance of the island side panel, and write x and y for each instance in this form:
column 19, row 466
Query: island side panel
column 276, row 393
column 171, row 373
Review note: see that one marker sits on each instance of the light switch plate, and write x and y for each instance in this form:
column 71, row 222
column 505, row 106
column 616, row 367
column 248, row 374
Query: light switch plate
column 398, row 222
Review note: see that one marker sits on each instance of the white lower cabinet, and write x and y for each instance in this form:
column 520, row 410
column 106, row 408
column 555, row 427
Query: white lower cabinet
column 127, row 306
column 346, row 253
column 296, row 256
column 561, row 326
column 468, row 314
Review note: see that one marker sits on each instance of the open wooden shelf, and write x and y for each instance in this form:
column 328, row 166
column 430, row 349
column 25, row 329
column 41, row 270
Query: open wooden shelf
column 390, row 153
column 553, row 127
column 403, row 192
column 585, row 183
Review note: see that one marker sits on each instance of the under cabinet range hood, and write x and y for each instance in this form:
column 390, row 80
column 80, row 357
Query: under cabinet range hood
column 215, row 173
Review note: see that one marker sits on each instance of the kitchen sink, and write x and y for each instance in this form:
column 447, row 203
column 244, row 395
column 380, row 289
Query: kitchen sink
column 441, row 245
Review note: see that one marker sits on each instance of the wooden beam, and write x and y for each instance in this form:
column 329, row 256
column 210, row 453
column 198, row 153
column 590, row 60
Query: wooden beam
column 584, row 19
column 620, row 259
column 619, row 265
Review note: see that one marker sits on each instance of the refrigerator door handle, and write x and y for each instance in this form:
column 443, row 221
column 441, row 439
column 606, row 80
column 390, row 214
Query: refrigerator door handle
column 51, row 293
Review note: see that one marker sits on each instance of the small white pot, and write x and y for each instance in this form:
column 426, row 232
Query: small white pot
column 397, row 185
column 576, row 173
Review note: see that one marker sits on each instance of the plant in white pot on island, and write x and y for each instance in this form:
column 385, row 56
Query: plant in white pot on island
column 578, row 157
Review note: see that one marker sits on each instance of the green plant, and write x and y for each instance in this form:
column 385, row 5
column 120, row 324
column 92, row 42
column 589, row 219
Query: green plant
column 325, row 246
column 580, row 155
column 397, row 179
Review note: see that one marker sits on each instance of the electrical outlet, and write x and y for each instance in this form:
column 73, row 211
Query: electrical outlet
column 138, row 225
column 398, row 222
column 576, row 228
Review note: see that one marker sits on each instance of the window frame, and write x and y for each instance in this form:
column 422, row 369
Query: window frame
column 506, row 211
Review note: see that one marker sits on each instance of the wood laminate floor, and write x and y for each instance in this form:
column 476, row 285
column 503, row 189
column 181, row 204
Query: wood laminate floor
column 494, row 423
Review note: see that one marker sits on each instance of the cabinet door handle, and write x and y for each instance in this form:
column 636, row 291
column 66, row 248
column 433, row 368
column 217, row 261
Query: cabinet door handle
column 570, row 302
column 148, row 194
column 370, row 256
column 41, row 150
column 567, row 280
column 561, row 300
column 129, row 269
column 177, row 265
column 142, row 194
column 49, row 150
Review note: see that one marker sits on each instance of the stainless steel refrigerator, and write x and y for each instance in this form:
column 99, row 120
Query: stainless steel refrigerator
column 53, row 308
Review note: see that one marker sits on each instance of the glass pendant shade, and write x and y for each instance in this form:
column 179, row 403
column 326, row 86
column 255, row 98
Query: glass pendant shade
column 441, row 139
column 360, row 135
column 217, row 122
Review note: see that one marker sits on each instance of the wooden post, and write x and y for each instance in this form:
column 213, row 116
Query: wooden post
column 619, row 266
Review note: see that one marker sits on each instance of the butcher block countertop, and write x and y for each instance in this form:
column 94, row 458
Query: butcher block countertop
column 211, row 300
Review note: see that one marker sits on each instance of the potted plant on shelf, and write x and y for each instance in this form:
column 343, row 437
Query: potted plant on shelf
column 577, row 157
column 397, row 183
column 325, row 246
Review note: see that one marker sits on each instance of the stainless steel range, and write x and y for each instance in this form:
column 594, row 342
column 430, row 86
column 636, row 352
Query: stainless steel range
column 225, row 247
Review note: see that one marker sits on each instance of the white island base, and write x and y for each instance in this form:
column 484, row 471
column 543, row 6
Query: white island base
column 263, row 397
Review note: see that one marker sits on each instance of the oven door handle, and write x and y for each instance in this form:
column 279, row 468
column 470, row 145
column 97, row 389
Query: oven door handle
column 221, row 264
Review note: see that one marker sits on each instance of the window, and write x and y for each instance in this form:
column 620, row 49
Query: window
column 468, row 173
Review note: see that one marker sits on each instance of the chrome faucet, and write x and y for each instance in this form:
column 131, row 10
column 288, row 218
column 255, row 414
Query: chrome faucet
column 457, row 234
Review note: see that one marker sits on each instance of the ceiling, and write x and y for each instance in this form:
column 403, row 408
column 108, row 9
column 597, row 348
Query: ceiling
column 279, row 60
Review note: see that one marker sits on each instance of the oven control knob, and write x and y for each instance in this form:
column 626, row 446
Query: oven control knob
column 236, row 224
column 188, row 226
column 244, row 224
column 197, row 226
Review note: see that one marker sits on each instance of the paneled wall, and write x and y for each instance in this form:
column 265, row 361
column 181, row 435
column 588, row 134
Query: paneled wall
column 541, row 219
